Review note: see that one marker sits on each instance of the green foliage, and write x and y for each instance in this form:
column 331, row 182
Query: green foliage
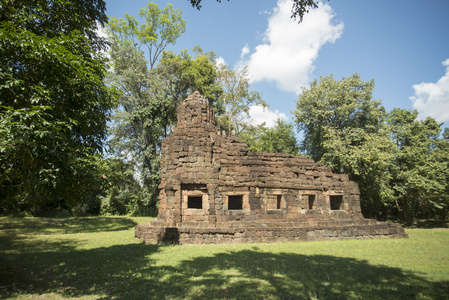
column 183, row 74
column 123, row 193
column 279, row 139
column 144, row 113
column 302, row 7
column 54, row 103
column 139, row 123
column 161, row 27
column 345, row 128
column 236, row 99
column 338, row 105
column 366, row 157
column 399, row 163
column 149, row 97
column 420, row 169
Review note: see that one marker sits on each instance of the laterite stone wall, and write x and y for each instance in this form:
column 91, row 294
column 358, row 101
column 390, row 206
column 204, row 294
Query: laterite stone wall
column 213, row 190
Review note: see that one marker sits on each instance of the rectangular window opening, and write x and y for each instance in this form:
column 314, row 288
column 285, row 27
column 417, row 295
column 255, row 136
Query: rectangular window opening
column 195, row 202
column 279, row 202
column 336, row 202
column 311, row 201
column 235, row 202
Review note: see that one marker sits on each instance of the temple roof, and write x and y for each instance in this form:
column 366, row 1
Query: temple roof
column 195, row 96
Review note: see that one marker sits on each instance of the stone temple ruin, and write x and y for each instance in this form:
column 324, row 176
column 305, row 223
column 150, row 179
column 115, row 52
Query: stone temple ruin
column 213, row 190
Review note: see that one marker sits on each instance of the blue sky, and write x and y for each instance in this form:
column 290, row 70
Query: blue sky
column 402, row 44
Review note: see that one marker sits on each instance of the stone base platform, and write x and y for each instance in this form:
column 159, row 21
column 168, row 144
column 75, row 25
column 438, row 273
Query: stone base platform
column 320, row 231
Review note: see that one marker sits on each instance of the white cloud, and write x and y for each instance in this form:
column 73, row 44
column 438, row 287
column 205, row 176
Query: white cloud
column 432, row 99
column 289, row 49
column 245, row 51
column 220, row 61
column 260, row 114
column 101, row 31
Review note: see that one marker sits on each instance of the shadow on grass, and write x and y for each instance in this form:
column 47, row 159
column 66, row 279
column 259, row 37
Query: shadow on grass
column 431, row 224
column 36, row 267
column 66, row 225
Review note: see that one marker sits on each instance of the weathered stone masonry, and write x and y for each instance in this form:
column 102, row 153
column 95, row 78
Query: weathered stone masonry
column 213, row 190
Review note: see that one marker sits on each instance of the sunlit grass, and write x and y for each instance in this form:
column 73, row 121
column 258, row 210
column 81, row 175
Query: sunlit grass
column 93, row 258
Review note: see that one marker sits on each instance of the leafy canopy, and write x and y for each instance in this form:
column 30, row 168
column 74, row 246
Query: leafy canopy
column 399, row 162
column 161, row 28
column 53, row 101
column 237, row 98
column 278, row 139
column 420, row 166
column 150, row 91
column 345, row 128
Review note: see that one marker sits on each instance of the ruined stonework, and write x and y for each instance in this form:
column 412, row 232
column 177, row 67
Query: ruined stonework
column 213, row 190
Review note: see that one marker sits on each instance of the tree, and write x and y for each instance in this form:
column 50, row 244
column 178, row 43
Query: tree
column 54, row 102
column 299, row 8
column 161, row 28
column 144, row 113
column 139, row 122
column 337, row 104
column 279, row 139
column 236, row 98
column 123, row 193
column 365, row 155
column 183, row 74
column 150, row 91
column 345, row 128
column 420, row 166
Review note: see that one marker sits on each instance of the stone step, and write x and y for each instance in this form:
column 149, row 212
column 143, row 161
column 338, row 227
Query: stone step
column 365, row 229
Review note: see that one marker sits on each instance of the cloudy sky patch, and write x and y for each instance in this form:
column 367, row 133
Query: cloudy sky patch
column 432, row 99
column 288, row 50
column 260, row 114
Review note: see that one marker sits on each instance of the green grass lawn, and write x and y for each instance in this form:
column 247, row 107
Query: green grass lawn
column 98, row 258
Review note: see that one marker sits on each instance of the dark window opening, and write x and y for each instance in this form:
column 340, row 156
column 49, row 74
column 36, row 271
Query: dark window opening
column 195, row 202
column 336, row 202
column 235, row 202
column 279, row 201
column 311, row 201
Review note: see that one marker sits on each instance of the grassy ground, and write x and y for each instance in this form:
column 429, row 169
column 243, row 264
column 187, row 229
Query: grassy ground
column 93, row 258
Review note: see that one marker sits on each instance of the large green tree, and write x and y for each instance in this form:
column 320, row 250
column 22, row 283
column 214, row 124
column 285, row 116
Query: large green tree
column 144, row 113
column 345, row 128
column 338, row 105
column 183, row 74
column 54, row 103
column 151, row 89
column 139, row 122
column 420, row 169
column 161, row 28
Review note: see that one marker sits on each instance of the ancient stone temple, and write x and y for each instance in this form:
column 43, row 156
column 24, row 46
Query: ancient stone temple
column 213, row 190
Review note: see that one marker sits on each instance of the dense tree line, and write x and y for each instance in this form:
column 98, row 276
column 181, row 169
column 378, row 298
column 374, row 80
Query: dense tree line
column 63, row 103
